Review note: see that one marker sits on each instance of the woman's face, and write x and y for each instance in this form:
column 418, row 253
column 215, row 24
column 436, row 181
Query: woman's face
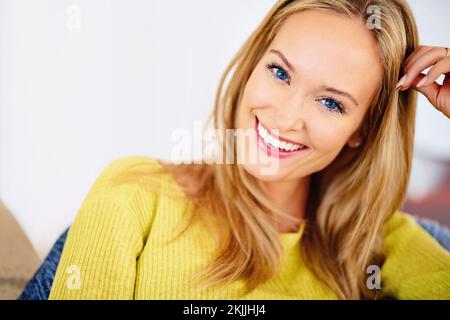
column 313, row 85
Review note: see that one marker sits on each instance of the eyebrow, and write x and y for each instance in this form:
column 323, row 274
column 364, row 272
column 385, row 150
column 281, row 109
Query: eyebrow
column 342, row 93
column 329, row 89
column 283, row 58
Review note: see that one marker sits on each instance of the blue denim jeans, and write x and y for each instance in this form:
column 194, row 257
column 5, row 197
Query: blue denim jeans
column 38, row 288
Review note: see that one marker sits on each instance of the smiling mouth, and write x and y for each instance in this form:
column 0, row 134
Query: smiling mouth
column 276, row 142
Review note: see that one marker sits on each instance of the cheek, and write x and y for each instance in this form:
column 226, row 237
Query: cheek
column 328, row 138
column 259, row 91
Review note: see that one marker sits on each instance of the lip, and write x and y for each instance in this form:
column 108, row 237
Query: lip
column 276, row 153
column 273, row 134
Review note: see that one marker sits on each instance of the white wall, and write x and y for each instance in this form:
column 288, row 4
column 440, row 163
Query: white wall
column 432, row 145
column 72, row 99
column 77, row 93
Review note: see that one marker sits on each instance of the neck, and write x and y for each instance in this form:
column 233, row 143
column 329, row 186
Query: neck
column 290, row 196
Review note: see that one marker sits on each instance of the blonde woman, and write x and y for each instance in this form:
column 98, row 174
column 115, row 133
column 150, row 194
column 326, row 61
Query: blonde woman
column 317, row 84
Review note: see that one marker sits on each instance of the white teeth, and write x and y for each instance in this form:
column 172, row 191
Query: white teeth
column 274, row 142
column 264, row 134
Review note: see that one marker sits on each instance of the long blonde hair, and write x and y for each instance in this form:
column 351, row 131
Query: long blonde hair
column 351, row 198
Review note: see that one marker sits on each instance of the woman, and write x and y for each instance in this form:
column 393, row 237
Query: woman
column 317, row 84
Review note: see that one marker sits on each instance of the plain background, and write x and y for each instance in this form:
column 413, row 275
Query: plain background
column 85, row 82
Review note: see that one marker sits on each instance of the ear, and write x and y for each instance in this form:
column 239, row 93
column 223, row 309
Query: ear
column 355, row 140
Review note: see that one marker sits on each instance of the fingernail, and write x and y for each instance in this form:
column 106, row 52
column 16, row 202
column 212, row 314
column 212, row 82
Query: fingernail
column 422, row 82
column 402, row 81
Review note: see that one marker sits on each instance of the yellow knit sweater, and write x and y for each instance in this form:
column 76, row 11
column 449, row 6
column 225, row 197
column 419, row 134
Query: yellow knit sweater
column 116, row 249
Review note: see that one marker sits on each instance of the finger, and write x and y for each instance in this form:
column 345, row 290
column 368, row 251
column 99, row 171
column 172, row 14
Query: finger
column 446, row 81
column 425, row 61
column 430, row 91
column 441, row 67
column 419, row 50
column 416, row 54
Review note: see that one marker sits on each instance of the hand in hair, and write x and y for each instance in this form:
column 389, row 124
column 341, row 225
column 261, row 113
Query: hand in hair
column 439, row 60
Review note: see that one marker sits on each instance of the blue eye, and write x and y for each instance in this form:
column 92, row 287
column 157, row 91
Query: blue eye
column 280, row 74
column 331, row 105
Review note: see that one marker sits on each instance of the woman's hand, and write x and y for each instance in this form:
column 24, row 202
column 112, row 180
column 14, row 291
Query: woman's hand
column 439, row 60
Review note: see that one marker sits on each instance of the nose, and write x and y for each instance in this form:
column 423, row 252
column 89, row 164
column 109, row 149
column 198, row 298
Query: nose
column 290, row 116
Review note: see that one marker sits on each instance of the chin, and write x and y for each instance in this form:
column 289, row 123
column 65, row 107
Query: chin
column 257, row 171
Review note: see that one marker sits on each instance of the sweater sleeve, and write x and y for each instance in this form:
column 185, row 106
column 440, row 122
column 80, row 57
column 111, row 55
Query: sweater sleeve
column 416, row 266
column 105, row 240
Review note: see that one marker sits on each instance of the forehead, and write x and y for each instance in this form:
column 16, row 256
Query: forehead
column 322, row 42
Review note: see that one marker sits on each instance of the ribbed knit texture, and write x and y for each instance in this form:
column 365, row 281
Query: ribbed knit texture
column 118, row 244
